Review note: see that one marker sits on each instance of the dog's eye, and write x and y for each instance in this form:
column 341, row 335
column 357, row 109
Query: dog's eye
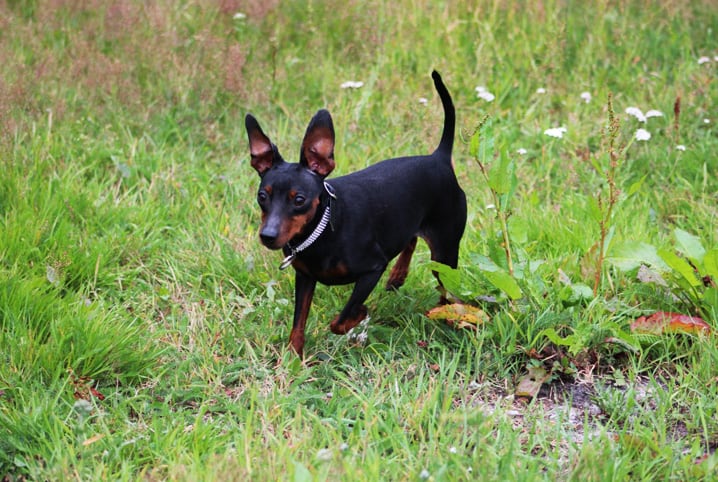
column 299, row 201
column 262, row 196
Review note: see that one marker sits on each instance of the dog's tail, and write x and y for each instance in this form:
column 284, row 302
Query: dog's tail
column 447, row 137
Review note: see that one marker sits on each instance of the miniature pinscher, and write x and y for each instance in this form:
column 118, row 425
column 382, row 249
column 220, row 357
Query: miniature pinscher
column 348, row 229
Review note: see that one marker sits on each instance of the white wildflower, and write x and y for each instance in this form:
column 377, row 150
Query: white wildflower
column 344, row 447
column 556, row 132
column 637, row 113
column 483, row 93
column 487, row 96
column 324, row 455
column 424, row 474
column 423, row 100
column 586, row 97
column 540, row 90
column 521, row 151
column 452, row 450
column 82, row 407
column 706, row 121
column 239, row 16
column 703, row 60
column 680, row 147
column 352, row 84
column 642, row 135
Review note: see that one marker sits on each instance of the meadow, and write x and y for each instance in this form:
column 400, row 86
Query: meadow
column 144, row 329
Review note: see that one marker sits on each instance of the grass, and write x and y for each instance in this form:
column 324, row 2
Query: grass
column 143, row 329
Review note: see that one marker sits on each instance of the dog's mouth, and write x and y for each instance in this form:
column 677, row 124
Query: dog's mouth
column 272, row 244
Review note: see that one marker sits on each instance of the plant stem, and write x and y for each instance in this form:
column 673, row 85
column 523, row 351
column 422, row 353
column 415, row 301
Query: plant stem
column 613, row 127
column 503, row 219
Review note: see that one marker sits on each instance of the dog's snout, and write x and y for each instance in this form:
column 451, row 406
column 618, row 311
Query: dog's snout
column 270, row 232
column 268, row 237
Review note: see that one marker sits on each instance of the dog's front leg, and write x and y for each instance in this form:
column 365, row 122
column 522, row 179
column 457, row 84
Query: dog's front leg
column 355, row 311
column 303, row 294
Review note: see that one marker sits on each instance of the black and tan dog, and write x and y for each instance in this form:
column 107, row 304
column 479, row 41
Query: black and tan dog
column 348, row 229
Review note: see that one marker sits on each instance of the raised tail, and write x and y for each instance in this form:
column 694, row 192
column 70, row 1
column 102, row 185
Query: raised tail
column 447, row 136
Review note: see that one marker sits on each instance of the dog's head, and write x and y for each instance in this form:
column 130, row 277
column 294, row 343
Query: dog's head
column 289, row 193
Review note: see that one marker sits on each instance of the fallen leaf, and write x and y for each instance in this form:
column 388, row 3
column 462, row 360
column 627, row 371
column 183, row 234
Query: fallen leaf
column 530, row 384
column 93, row 439
column 459, row 315
column 96, row 394
column 667, row 322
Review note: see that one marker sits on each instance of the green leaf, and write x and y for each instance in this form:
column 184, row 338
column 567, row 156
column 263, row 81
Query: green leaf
column 710, row 264
column 500, row 176
column 474, row 144
column 690, row 245
column 582, row 291
column 710, row 298
column 450, row 277
column 301, row 473
column 635, row 187
column 570, row 341
column 484, row 263
column 518, row 229
column 485, row 144
column 504, row 282
column 680, row 266
column 497, row 255
column 629, row 255
column 625, row 339
column 497, row 276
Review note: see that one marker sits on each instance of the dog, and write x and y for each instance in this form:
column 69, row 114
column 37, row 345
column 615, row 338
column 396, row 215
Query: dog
column 347, row 229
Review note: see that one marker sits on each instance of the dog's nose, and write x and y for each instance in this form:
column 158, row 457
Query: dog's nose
column 269, row 236
column 268, row 239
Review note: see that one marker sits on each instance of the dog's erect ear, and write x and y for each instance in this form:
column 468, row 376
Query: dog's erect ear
column 318, row 145
column 260, row 147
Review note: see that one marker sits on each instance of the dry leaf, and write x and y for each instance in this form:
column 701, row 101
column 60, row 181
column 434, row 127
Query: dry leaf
column 93, row 439
column 459, row 315
column 530, row 384
column 667, row 322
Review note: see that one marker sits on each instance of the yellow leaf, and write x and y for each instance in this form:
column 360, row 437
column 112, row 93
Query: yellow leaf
column 459, row 315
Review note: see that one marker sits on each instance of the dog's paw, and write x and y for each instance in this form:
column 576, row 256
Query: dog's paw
column 342, row 327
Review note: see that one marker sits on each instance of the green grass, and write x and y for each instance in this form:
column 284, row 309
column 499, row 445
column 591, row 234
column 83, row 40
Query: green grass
column 143, row 328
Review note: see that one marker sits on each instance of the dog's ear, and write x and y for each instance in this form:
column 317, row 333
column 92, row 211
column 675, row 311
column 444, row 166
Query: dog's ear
column 264, row 154
column 318, row 145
